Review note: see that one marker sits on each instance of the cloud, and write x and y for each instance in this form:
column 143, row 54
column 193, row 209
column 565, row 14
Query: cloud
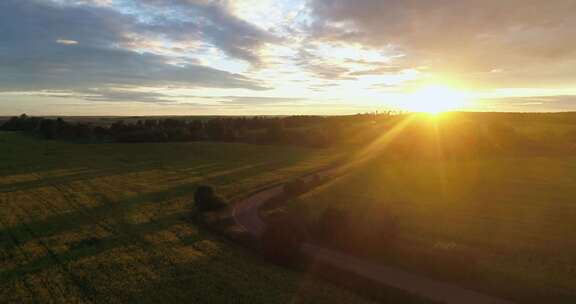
column 260, row 101
column 161, row 97
column 104, row 95
column 112, row 95
column 182, row 22
column 311, row 61
column 460, row 38
column 530, row 103
column 209, row 20
column 67, row 41
column 148, row 51
column 378, row 71
column 248, row 100
column 77, row 47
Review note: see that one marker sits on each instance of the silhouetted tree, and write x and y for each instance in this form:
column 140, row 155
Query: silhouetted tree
column 206, row 199
column 312, row 131
column 83, row 132
column 48, row 129
column 101, row 133
column 275, row 130
column 197, row 131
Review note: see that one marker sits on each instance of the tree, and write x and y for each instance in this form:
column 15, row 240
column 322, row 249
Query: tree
column 275, row 130
column 197, row 131
column 367, row 231
column 206, row 199
column 101, row 133
column 10, row 125
column 83, row 132
column 47, row 128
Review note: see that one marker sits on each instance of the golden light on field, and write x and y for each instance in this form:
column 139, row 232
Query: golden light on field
column 436, row 99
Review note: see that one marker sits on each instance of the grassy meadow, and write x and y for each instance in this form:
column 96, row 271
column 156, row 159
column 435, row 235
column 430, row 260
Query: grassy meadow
column 502, row 224
column 107, row 223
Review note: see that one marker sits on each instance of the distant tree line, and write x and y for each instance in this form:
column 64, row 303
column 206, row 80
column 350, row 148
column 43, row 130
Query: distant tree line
column 312, row 131
column 460, row 135
column 51, row 128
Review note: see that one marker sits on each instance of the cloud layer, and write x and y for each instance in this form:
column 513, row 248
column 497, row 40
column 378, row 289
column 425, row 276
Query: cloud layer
column 471, row 39
column 74, row 46
column 252, row 54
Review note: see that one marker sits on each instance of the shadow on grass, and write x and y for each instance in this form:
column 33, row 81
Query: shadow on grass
column 90, row 173
column 125, row 234
column 111, row 216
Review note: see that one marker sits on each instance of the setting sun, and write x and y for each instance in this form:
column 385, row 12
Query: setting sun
column 436, row 99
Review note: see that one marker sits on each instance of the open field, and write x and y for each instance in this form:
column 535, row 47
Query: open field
column 108, row 223
column 502, row 225
column 492, row 210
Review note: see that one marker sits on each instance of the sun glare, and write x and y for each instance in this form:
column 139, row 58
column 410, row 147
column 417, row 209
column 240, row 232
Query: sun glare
column 434, row 99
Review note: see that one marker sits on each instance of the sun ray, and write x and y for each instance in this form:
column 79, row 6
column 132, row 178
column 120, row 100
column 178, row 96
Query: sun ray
column 374, row 148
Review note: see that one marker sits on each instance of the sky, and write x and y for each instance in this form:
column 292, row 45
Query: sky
column 258, row 57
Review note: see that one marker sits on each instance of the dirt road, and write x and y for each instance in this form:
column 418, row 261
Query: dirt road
column 246, row 215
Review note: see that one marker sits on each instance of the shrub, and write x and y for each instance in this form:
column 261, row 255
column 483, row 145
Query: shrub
column 206, row 199
column 283, row 238
column 359, row 234
column 295, row 187
column 316, row 180
column 332, row 226
column 384, row 227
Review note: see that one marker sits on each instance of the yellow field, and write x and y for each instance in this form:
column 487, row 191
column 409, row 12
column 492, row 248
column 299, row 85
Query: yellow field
column 109, row 223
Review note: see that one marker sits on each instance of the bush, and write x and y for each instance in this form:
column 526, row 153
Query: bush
column 136, row 136
column 295, row 187
column 316, row 180
column 283, row 238
column 206, row 199
column 384, row 227
column 333, row 226
column 360, row 234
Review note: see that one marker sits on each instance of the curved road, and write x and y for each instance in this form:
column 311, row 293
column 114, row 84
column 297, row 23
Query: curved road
column 246, row 215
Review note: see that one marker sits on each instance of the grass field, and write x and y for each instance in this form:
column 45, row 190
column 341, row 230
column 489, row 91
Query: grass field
column 509, row 222
column 108, row 223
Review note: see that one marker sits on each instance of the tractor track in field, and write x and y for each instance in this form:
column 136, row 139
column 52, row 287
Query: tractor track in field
column 16, row 247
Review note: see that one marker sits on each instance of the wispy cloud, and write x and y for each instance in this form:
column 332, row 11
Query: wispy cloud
column 67, row 41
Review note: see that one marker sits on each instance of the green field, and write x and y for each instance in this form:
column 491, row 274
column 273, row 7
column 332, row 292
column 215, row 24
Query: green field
column 109, row 223
column 507, row 221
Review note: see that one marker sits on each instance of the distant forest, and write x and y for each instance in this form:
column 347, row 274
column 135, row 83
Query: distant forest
column 453, row 134
column 310, row 131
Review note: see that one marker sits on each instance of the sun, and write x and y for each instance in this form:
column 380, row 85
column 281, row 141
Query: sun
column 435, row 99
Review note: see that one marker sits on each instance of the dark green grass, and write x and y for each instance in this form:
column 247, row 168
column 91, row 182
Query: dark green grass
column 499, row 224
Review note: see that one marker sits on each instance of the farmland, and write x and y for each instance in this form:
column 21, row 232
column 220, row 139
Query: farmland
column 110, row 223
column 483, row 200
column 500, row 224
